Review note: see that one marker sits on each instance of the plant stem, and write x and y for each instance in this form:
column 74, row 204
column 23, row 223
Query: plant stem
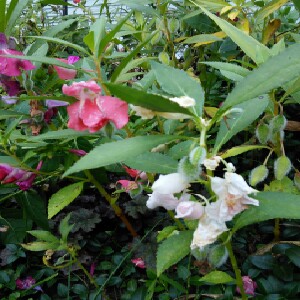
column 237, row 271
column 86, row 272
column 117, row 209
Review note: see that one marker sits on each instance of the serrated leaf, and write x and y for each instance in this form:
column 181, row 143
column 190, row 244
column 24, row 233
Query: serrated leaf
column 234, row 151
column 271, row 205
column 231, row 71
column 40, row 246
column 172, row 250
column 63, row 198
column 165, row 233
column 276, row 71
column 247, row 43
column 65, row 228
column 181, row 149
column 217, row 277
column 215, row 5
column 178, row 83
column 60, row 134
column 43, row 235
column 234, row 124
column 150, row 101
column 269, row 9
column 153, row 162
column 119, row 151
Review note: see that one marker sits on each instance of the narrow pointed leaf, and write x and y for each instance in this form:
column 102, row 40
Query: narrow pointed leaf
column 119, row 151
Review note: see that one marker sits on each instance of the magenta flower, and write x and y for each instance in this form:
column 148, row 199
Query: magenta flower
column 78, row 152
column 64, row 73
column 25, row 183
column 12, row 87
column 25, row 284
column 13, row 66
column 139, row 263
column 93, row 111
column 249, row 286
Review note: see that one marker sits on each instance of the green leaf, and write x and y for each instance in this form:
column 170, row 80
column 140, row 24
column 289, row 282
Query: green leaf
column 165, row 233
column 231, row 71
column 65, row 228
column 234, row 151
column 278, row 70
column 63, row 198
column 144, row 99
column 182, row 149
column 293, row 253
column 269, row 9
column 172, row 250
column 40, row 246
column 2, row 15
column 178, row 83
column 217, row 277
column 119, row 151
column 61, row 42
column 43, row 235
column 60, row 134
column 153, row 163
column 297, row 4
column 239, row 121
column 202, row 38
column 271, row 205
column 56, row 2
column 128, row 58
column 14, row 14
column 5, row 114
column 254, row 49
column 99, row 33
column 215, row 5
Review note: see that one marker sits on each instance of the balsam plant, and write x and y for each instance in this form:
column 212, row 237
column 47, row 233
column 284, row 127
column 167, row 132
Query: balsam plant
column 149, row 111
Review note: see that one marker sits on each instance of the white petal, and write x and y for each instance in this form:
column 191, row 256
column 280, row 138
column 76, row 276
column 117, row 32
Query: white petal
column 170, row 184
column 218, row 185
column 167, row 201
column 189, row 210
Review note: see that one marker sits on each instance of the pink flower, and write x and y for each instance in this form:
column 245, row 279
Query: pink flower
column 5, row 169
column 139, row 263
column 78, row 152
column 190, row 210
column 76, row 1
column 64, row 73
column 12, row 87
column 132, row 172
column 13, row 66
column 249, row 286
column 128, row 185
column 93, row 111
column 25, row 283
column 92, row 268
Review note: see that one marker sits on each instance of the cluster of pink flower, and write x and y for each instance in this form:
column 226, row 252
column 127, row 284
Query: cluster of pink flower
column 27, row 283
column 23, row 179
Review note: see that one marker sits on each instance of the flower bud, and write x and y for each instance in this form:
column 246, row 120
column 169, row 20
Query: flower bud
column 258, row 175
column 263, row 133
column 278, row 123
column 173, row 25
column 282, row 167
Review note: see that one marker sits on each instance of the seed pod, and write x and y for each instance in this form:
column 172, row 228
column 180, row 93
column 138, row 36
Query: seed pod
column 173, row 25
column 156, row 38
column 258, row 175
column 164, row 58
column 297, row 180
column 197, row 156
column 188, row 170
column 282, row 167
column 263, row 133
column 218, row 255
column 278, row 123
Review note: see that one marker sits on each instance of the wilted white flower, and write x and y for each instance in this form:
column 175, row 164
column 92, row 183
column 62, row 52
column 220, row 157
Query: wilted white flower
column 184, row 101
column 167, row 201
column 207, row 232
column 170, row 184
column 189, row 210
column 212, row 163
column 230, row 167
column 232, row 193
column 142, row 112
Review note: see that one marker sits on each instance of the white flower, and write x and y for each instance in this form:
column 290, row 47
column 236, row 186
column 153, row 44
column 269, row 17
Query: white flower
column 190, row 210
column 212, row 163
column 207, row 232
column 167, row 201
column 184, row 101
column 170, row 184
column 232, row 193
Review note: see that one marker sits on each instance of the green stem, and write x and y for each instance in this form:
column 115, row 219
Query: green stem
column 117, row 209
column 237, row 271
column 87, row 273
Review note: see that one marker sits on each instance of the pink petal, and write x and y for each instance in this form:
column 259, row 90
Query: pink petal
column 114, row 109
column 73, row 59
column 64, row 73
column 78, row 152
column 5, row 169
column 90, row 114
column 82, row 90
column 74, row 121
column 132, row 172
